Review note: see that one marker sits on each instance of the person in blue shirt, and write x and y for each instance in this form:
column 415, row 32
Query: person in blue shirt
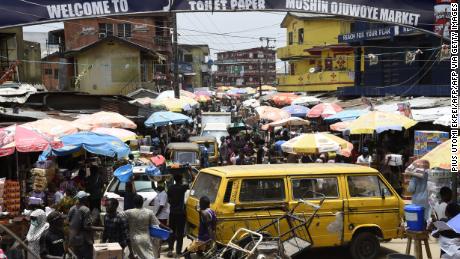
column 205, row 155
column 206, row 230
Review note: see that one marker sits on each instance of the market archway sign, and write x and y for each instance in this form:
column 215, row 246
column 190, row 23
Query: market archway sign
column 414, row 13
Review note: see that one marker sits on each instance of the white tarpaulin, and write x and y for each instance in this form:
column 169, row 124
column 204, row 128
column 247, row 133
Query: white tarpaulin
column 431, row 114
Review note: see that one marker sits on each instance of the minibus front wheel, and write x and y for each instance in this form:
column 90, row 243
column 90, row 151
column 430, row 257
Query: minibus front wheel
column 365, row 245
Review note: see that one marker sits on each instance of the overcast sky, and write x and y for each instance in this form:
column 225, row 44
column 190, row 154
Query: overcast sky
column 242, row 30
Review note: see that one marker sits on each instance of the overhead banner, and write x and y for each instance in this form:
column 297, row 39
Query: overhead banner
column 416, row 13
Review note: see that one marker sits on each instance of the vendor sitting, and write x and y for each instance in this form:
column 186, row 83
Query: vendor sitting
column 206, row 230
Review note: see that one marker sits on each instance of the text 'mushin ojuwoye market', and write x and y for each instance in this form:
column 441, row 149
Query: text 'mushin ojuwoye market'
column 416, row 13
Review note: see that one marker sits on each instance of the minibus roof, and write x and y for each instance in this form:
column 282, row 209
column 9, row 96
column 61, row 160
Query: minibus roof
column 288, row 169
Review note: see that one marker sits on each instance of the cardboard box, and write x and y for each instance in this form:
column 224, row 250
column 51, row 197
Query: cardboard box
column 425, row 141
column 107, row 251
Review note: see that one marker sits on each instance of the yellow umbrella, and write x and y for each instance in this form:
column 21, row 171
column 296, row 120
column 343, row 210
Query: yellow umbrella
column 315, row 143
column 170, row 94
column 440, row 156
column 177, row 105
column 224, row 88
column 122, row 134
column 267, row 88
column 380, row 121
column 250, row 90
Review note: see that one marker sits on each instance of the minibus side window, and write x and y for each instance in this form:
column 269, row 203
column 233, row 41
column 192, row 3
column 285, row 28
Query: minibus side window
column 312, row 188
column 367, row 186
column 228, row 192
column 253, row 190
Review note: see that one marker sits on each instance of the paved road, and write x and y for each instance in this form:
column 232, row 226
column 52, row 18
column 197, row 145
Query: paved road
column 395, row 246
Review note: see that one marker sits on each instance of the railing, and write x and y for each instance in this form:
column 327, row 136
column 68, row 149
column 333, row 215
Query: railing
column 293, row 51
column 244, row 60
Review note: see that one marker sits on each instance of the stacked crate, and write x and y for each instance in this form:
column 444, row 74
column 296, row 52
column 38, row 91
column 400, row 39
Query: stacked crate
column 12, row 197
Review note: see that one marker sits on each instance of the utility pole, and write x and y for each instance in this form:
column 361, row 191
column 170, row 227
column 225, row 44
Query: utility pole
column 176, row 58
column 267, row 47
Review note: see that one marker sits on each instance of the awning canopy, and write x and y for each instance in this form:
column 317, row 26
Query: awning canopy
column 99, row 144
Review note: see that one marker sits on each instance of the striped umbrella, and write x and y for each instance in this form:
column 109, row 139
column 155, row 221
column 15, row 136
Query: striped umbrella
column 316, row 143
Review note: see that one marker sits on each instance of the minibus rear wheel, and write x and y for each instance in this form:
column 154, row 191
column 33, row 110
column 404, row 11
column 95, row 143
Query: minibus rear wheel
column 365, row 245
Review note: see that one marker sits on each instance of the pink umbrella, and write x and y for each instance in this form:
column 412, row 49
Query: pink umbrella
column 282, row 99
column 340, row 126
column 55, row 127
column 324, row 110
column 107, row 120
column 271, row 113
column 24, row 140
column 203, row 92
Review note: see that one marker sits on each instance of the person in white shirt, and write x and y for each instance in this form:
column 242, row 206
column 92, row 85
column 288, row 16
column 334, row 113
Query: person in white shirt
column 161, row 210
column 365, row 158
column 440, row 207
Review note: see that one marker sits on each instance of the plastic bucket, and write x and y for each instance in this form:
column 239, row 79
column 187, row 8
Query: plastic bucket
column 415, row 217
column 400, row 256
column 159, row 233
column 124, row 173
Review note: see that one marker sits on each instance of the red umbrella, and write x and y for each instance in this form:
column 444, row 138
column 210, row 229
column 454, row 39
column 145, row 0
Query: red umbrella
column 24, row 140
column 324, row 110
column 283, row 99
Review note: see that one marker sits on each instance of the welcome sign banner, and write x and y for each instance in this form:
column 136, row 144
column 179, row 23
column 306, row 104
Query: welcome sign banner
column 414, row 13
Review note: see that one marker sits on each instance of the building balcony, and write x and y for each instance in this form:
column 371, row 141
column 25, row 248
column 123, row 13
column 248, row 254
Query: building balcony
column 293, row 51
column 246, row 72
column 315, row 82
column 244, row 61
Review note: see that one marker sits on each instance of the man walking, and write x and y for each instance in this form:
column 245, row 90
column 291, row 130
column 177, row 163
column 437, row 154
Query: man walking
column 161, row 210
column 176, row 196
column 52, row 241
column 115, row 226
column 80, row 227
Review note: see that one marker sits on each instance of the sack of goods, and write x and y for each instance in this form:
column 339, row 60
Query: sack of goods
column 49, row 173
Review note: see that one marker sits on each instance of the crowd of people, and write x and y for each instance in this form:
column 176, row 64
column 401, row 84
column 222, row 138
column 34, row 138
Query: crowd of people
column 48, row 238
column 77, row 199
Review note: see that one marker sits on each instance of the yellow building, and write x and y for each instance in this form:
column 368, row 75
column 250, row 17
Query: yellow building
column 317, row 62
column 114, row 66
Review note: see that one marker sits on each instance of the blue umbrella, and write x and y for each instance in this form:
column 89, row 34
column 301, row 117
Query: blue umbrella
column 278, row 144
column 237, row 91
column 164, row 118
column 346, row 115
column 100, row 144
column 296, row 110
column 124, row 173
